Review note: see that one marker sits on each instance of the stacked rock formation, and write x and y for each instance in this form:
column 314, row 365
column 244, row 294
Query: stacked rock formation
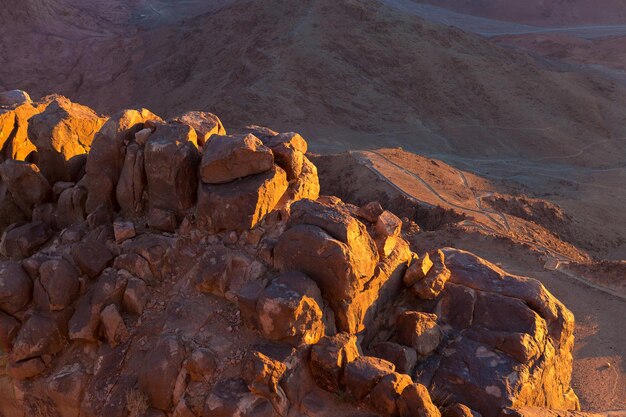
column 158, row 267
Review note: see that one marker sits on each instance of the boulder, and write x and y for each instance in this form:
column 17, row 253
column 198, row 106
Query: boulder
column 70, row 208
column 61, row 133
column 16, row 287
column 231, row 397
column 415, row 401
column 162, row 220
column 131, row 184
column 384, row 395
column 113, row 326
column 135, row 296
column 123, row 230
column 459, row 410
column 403, row 357
column 325, row 242
column 417, row 270
column 242, row 204
column 108, row 289
column 14, row 98
column 305, row 186
column 159, row 371
column 329, row 358
column 10, row 211
column 289, row 310
column 429, row 287
column 25, row 369
column 57, row 286
column 25, row 183
column 171, row 164
column 39, row 335
column 201, row 364
column 107, row 155
column 204, row 123
column 370, row 211
column 288, row 149
column 501, row 324
column 14, row 141
column 91, row 257
column 9, row 327
column 420, row 331
column 363, row 373
column 262, row 373
column 227, row 158
column 21, row 241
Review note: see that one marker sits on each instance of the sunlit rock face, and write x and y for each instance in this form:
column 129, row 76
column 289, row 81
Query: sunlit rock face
column 178, row 271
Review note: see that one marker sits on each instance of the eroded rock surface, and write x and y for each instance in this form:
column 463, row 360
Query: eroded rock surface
column 187, row 273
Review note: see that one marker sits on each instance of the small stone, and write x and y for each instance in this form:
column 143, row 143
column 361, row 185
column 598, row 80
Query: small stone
column 112, row 322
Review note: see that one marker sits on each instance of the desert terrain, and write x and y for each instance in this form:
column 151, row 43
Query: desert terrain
column 493, row 127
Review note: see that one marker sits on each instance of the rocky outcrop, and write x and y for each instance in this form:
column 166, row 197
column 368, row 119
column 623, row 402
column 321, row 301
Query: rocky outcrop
column 63, row 134
column 188, row 273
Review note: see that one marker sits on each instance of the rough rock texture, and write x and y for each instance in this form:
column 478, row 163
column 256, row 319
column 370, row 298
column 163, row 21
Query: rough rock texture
column 14, row 141
column 106, row 158
column 141, row 288
column 62, row 133
column 226, row 158
column 247, row 201
column 504, row 320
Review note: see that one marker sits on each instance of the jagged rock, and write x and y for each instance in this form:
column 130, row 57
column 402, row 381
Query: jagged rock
column 131, row 184
column 403, row 357
column 201, row 364
column 383, row 397
column 171, row 164
column 247, row 298
column 459, row 410
column 363, row 373
column 25, row 183
column 109, row 289
column 388, row 224
column 70, row 208
column 151, row 264
column 57, row 285
column 9, row 327
column 329, row 358
column 21, row 241
column 39, row 335
column 160, row 370
column 123, row 230
column 25, row 369
column 14, row 98
column 420, row 331
column 113, row 325
column 502, row 320
column 91, row 257
column 227, row 158
column 61, row 133
column 204, row 123
column 433, row 283
column 107, row 155
column 16, row 287
column 242, row 204
column 289, row 310
column 135, row 296
column 415, row 401
column 417, row 270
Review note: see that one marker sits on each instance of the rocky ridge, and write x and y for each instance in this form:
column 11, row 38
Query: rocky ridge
column 158, row 267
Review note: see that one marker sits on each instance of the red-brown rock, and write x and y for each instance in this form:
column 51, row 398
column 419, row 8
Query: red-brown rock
column 329, row 358
column 415, row 401
column 21, row 241
column 57, row 285
column 420, row 331
column 204, row 123
column 227, row 158
column 16, row 287
column 362, row 374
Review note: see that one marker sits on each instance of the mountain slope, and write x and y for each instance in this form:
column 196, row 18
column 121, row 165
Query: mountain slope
column 315, row 65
